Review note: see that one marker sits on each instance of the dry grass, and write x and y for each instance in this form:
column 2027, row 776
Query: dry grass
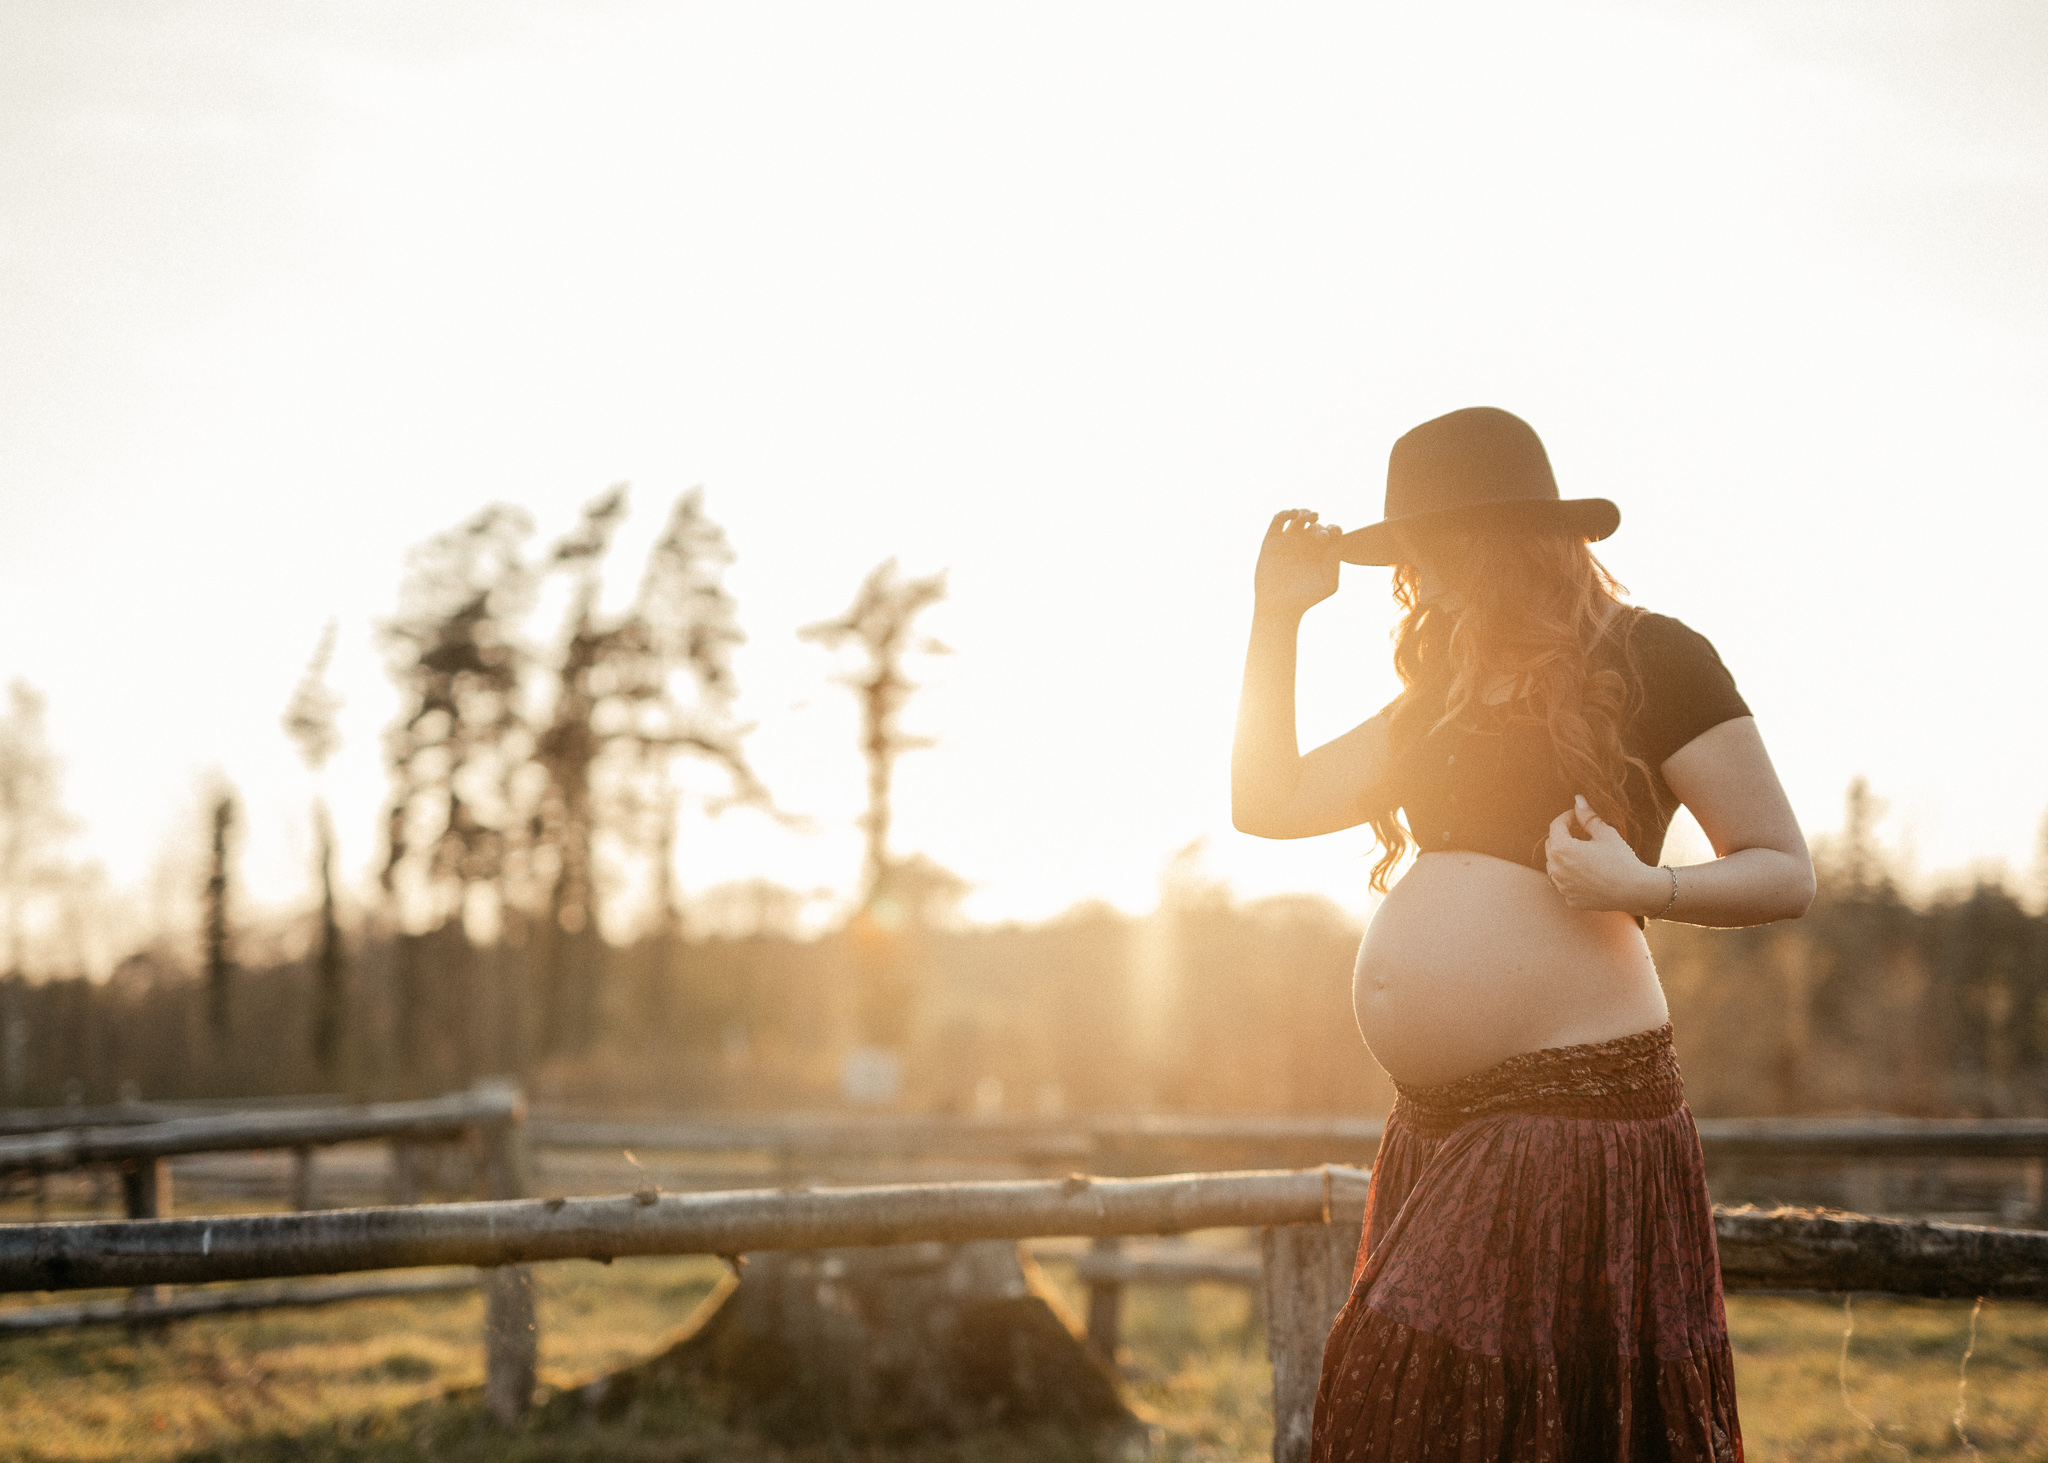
column 384, row 1381
column 1904, row 1363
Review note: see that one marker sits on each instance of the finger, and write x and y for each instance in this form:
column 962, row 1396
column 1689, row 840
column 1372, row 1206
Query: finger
column 1561, row 826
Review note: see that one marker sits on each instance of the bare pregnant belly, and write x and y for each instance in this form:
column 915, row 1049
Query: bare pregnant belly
column 1471, row 960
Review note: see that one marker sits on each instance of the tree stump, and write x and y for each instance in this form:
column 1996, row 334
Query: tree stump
column 885, row 1344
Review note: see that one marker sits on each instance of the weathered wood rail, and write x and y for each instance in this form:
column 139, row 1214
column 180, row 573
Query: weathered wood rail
column 228, row 1301
column 841, row 1136
column 439, row 1119
column 1796, row 1249
column 97, row 1253
column 121, row 1114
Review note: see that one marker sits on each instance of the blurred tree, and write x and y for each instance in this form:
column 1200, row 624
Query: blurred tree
column 309, row 722
column 1859, row 862
column 33, row 830
column 219, row 932
column 33, row 824
column 879, row 626
column 456, row 826
column 619, row 721
column 455, row 652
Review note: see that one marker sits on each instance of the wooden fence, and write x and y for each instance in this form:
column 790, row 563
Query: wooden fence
column 1308, row 1219
column 491, row 1115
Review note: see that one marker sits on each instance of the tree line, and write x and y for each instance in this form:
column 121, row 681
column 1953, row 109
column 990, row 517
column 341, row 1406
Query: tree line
column 536, row 784
column 1872, row 1003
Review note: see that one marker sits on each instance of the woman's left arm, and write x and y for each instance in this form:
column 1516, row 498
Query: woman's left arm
column 1761, row 871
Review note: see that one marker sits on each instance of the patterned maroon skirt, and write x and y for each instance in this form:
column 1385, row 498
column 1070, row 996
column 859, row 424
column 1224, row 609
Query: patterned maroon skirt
column 1538, row 1280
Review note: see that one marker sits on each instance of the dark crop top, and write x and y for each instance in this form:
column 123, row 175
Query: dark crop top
column 1492, row 784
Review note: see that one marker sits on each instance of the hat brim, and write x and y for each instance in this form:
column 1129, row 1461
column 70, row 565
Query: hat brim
column 1589, row 518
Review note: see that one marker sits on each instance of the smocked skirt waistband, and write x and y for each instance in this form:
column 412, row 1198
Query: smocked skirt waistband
column 1632, row 1077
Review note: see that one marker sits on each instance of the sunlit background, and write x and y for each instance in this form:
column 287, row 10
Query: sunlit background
column 1065, row 300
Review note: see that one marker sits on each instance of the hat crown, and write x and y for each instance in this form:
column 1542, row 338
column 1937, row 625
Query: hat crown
column 1465, row 458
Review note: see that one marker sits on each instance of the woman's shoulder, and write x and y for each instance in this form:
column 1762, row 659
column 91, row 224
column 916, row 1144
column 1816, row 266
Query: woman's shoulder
column 1651, row 639
column 1685, row 688
column 1649, row 627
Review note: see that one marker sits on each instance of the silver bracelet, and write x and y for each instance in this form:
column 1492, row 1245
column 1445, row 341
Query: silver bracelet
column 1674, row 892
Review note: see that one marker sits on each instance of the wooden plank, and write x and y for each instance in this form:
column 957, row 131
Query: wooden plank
column 72, row 1256
column 434, row 1118
column 1797, row 1249
column 230, row 1300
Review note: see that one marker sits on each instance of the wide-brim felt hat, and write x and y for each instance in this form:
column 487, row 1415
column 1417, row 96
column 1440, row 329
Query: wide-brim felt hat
column 1481, row 468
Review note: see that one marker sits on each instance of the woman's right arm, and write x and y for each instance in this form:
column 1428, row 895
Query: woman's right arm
column 1275, row 792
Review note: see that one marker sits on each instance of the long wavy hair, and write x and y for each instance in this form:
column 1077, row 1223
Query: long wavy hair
column 1529, row 607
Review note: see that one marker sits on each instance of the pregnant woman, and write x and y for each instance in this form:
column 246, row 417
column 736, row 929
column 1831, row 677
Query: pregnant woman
column 1538, row 1278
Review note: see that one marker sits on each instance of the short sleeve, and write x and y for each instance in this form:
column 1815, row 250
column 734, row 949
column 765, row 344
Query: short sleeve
column 1685, row 688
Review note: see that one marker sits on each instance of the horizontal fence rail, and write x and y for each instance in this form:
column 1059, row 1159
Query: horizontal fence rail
column 836, row 1135
column 122, row 1114
column 433, row 1119
column 228, row 1301
column 92, row 1254
column 1875, row 1137
column 1792, row 1249
column 832, row 1135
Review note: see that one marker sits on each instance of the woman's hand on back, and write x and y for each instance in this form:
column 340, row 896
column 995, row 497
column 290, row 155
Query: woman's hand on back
column 1600, row 870
column 1298, row 563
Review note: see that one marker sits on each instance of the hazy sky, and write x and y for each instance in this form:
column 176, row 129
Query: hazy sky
column 1064, row 299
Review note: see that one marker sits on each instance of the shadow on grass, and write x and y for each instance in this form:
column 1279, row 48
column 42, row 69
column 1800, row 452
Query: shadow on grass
column 664, row 1429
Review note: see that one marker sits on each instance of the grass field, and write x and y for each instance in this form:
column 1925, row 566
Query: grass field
column 383, row 1381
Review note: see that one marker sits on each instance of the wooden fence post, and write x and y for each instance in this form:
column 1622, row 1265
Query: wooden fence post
column 1105, row 1305
column 302, row 1179
column 1305, row 1278
column 146, row 1194
column 511, row 1332
column 404, row 1188
column 511, row 1342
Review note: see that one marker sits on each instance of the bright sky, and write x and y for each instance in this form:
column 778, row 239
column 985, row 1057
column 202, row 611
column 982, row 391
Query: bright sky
column 1066, row 299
